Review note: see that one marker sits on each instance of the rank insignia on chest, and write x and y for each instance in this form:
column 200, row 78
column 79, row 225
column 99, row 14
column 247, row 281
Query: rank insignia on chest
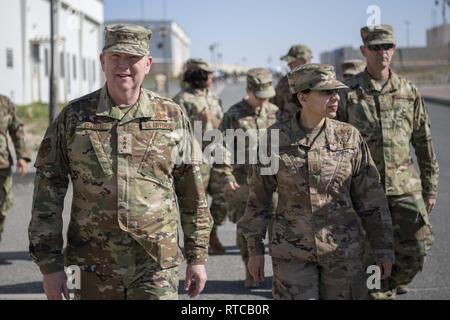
column 125, row 143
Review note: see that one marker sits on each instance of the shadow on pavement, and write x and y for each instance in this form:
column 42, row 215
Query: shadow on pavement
column 234, row 288
column 14, row 255
column 22, row 288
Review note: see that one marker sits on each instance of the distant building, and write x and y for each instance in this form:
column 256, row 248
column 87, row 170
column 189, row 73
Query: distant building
column 169, row 46
column 25, row 48
column 428, row 65
column 338, row 56
column 438, row 36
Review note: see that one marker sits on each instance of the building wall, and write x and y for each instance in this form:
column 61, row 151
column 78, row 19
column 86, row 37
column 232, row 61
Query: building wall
column 438, row 36
column 11, row 26
column 78, row 28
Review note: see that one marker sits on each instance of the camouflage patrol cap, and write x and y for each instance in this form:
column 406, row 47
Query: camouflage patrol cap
column 297, row 52
column 198, row 64
column 382, row 34
column 353, row 67
column 259, row 81
column 127, row 38
column 314, row 77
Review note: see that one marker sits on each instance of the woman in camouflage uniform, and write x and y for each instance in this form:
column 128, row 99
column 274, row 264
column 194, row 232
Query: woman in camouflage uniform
column 327, row 183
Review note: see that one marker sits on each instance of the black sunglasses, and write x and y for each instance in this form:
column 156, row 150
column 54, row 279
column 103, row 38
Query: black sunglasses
column 330, row 92
column 378, row 47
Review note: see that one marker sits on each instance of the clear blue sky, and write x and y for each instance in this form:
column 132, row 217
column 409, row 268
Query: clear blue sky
column 256, row 30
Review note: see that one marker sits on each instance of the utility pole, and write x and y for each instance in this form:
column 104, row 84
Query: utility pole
column 408, row 23
column 52, row 85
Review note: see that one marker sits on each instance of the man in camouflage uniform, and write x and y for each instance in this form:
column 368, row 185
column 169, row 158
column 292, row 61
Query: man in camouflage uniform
column 122, row 148
column 250, row 115
column 390, row 114
column 298, row 55
column 203, row 107
column 352, row 67
column 327, row 183
column 10, row 124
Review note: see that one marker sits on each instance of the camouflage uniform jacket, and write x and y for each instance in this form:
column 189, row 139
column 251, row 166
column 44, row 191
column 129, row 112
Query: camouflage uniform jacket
column 9, row 123
column 325, row 191
column 390, row 120
column 196, row 101
column 125, row 176
column 284, row 100
column 243, row 116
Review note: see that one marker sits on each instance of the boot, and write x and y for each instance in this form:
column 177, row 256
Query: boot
column 215, row 247
column 402, row 289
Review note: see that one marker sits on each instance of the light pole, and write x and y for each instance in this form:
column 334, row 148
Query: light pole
column 408, row 23
column 212, row 49
column 52, row 85
column 164, row 32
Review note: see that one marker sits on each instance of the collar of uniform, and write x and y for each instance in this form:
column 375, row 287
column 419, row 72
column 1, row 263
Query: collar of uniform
column 299, row 138
column 198, row 92
column 390, row 86
column 252, row 111
column 107, row 108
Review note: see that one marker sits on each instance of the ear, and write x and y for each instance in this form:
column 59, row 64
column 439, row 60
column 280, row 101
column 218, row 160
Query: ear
column 302, row 98
column 363, row 51
column 148, row 64
column 102, row 61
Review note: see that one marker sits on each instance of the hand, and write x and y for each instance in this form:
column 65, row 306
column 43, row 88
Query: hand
column 430, row 203
column 195, row 280
column 205, row 116
column 55, row 284
column 232, row 186
column 386, row 269
column 256, row 267
column 22, row 167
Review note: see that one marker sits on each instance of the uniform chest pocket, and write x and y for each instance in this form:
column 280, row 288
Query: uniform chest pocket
column 161, row 149
column 90, row 146
column 293, row 171
column 337, row 164
column 362, row 114
column 402, row 115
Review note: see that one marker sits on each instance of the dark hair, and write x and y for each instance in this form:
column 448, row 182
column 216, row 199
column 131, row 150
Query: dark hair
column 295, row 99
column 196, row 78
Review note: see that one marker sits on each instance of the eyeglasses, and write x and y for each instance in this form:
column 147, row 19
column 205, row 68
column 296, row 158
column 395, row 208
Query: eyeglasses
column 330, row 92
column 378, row 47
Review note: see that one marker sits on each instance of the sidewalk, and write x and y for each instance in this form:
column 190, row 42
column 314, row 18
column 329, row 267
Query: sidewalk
column 439, row 95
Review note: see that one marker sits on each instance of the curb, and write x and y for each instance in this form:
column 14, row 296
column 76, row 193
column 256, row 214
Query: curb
column 443, row 101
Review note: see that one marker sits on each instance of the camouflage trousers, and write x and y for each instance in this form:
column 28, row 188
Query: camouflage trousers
column 6, row 196
column 122, row 270
column 333, row 280
column 237, row 203
column 413, row 237
column 219, row 206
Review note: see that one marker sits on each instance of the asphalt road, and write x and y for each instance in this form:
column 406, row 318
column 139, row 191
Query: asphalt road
column 20, row 278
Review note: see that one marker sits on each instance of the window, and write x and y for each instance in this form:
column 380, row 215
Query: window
column 74, row 60
column 9, row 58
column 46, row 62
column 84, row 69
column 62, row 65
column 93, row 71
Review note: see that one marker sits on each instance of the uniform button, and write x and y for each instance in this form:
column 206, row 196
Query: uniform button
column 315, row 168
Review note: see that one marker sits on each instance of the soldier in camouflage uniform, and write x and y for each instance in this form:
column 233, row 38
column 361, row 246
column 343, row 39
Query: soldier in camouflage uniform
column 10, row 124
column 327, row 183
column 122, row 148
column 390, row 114
column 297, row 56
column 251, row 114
column 203, row 106
column 352, row 67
